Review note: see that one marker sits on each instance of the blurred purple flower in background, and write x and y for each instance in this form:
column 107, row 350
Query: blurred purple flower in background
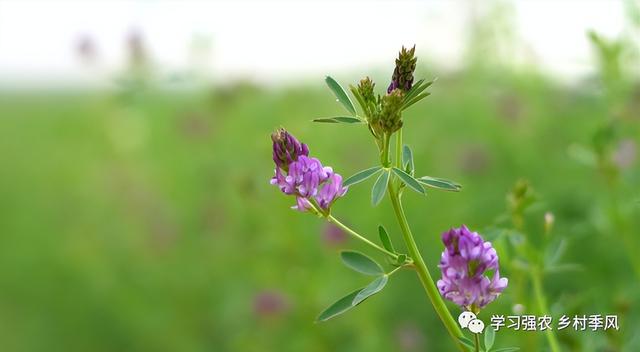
column 86, row 49
column 136, row 48
column 625, row 155
column 194, row 125
column 333, row 235
column 465, row 264
column 474, row 159
column 410, row 337
column 269, row 304
column 510, row 106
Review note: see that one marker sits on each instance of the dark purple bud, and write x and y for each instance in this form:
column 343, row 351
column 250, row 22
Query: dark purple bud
column 402, row 77
column 286, row 149
column 393, row 85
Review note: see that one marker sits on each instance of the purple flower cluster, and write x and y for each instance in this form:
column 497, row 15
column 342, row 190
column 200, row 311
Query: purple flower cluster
column 298, row 174
column 465, row 264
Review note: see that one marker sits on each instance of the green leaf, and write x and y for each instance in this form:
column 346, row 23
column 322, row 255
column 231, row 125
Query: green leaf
column 361, row 263
column 412, row 92
column 354, row 298
column 415, row 100
column 379, row 188
column 359, row 98
column 554, row 253
column 371, row 289
column 339, row 119
column 440, row 183
column 507, row 349
column 633, row 12
column 361, row 176
column 416, row 89
column 489, row 338
column 340, row 306
column 385, row 239
column 465, row 341
column 340, row 94
column 563, row 268
column 582, row 154
column 407, row 159
column 409, row 180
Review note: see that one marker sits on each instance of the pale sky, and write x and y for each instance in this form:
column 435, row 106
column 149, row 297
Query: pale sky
column 276, row 41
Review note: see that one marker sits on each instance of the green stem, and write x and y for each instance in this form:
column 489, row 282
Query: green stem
column 542, row 307
column 620, row 228
column 347, row 229
column 399, row 149
column 630, row 245
column 419, row 264
column 394, row 270
column 423, row 272
column 384, row 157
column 476, row 338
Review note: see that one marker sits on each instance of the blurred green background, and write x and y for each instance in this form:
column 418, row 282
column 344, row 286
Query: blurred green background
column 142, row 219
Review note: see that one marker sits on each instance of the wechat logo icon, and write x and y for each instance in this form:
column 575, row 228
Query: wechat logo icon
column 468, row 320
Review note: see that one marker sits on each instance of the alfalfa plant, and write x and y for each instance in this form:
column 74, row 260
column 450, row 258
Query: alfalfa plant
column 469, row 265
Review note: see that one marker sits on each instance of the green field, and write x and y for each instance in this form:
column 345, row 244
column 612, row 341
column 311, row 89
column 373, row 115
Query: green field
column 143, row 220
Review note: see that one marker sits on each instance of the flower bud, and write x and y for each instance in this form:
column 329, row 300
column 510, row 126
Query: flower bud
column 391, row 113
column 402, row 77
column 388, row 118
column 286, row 149
column 549, row 219
column 520, row 197
column 365, row 88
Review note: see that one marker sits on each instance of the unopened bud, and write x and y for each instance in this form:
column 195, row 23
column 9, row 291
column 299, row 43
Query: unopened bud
column 549, row 219
column 391, row 110
column 402, row 77
column 286, row 148
column 365, row 88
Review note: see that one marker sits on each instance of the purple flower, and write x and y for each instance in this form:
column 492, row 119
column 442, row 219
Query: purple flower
column 410, row 337
column 302, row 204
column 331, row 190
column 466, row 263
column 269, row 303
column 625, row 155
column 303, row 178
column 298, row 174
column 333, row 235
column 286, row 148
